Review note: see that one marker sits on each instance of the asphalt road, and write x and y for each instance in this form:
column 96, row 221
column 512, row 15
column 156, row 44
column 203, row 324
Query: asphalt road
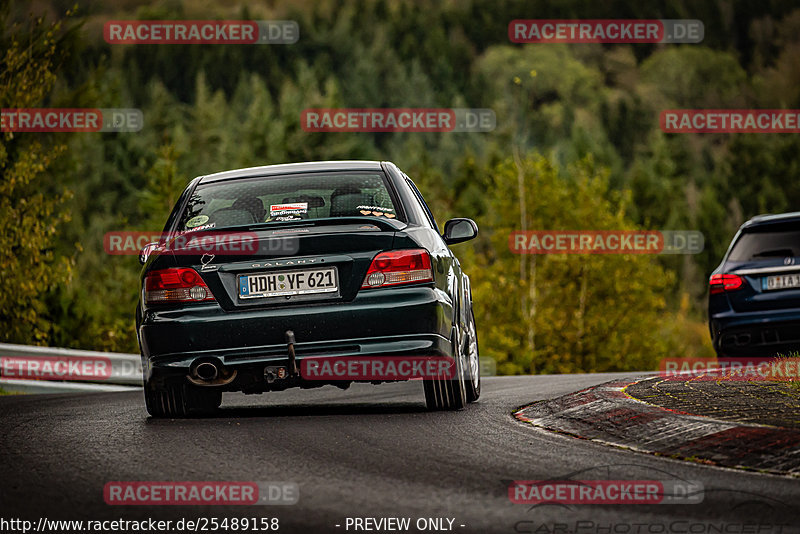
column 370, row 451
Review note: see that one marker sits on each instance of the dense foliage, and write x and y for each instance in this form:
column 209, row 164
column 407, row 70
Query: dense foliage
column 577, row 146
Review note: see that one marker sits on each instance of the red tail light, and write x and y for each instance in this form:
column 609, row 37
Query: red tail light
column 720, row 283
column 399, row 267
column 175, row 286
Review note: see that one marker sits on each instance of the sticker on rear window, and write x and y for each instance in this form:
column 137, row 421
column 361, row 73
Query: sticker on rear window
column 199, row 228
column 377, row 211
column 288, row 210
column 196, row 221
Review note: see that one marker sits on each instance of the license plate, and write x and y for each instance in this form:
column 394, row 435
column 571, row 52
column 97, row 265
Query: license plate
column 288, row 283
column 781, row 281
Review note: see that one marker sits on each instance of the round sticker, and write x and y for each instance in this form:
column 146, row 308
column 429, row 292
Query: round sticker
column 196, row 221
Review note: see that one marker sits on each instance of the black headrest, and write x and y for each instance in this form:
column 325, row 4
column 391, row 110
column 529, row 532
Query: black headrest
column 253, row 205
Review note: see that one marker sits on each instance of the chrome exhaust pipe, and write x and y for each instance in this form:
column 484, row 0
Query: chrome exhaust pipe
column 206, row 371
column 210, row 372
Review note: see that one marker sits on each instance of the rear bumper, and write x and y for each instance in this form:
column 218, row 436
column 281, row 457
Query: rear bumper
column 756, row 334
column 411, row 345
column 413, row 321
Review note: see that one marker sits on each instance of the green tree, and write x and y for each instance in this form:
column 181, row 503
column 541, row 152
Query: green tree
column 565, row 313
column 30, row 217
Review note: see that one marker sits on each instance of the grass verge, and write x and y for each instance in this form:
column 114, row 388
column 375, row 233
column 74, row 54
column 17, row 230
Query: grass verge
column 792, row 384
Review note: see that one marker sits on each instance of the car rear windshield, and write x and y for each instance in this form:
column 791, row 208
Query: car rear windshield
column 291, row 197
column 767, row 244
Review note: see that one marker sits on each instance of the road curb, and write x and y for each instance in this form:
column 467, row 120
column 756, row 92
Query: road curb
column 607, row 414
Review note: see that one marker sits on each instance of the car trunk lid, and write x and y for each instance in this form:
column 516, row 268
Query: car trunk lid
column 769, row 285
column 294, row 263
column 767, row 258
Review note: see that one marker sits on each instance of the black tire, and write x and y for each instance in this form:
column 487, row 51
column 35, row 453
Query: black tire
column 180, row 399
column 472, row 381
column 434, row 394
column 444, row 392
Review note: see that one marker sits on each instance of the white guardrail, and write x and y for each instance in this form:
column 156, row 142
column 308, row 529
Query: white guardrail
column 31, row 369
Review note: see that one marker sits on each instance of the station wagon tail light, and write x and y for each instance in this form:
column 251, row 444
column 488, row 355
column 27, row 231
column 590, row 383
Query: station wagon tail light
column 399, row 267
column 177, row 285
column 721, row 283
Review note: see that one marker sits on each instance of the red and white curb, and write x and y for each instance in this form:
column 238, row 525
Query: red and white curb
column 607, row 414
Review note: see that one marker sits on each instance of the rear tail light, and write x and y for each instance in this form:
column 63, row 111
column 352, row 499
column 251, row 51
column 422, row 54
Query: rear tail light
column 175, row 286
column 399, row 267
column 721, row 283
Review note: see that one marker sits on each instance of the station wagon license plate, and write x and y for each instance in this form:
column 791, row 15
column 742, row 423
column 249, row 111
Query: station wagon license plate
column 781, row 281
column 288, row 283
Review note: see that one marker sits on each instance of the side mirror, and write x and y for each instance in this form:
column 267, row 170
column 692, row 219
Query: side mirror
column 146, row 251
column 459, row 230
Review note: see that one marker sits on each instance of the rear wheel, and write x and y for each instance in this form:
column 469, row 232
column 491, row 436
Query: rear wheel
column 179, row 399
column 472, row 382
column 448, row 392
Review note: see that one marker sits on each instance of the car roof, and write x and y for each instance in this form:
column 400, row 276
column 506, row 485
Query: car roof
column 294, row 168
column 771, row 218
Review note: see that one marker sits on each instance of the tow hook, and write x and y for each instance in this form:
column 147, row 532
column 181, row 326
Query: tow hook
column 292, row 357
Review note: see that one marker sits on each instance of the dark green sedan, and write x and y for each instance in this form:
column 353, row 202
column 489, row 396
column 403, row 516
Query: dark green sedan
column 302, row 275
